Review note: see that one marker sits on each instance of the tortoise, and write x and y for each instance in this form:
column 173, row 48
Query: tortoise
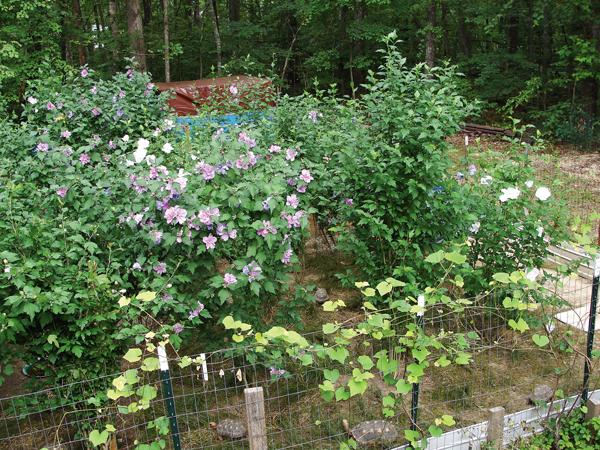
column 541, row 393
column 321, row 296
column 229, row 428
column 371, row 432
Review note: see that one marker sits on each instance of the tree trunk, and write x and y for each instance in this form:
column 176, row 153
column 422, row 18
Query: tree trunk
column 114, row 29
column 215, row 24
column 79, row 26
column 445, row 32
column 513, row 34
column 166, row 23
column 359, row 44
column 234, row 10
column 589, row 85
column 464, row 45
column 136, row 33
column 430, row 35
column 530, row 37
column 102, row 29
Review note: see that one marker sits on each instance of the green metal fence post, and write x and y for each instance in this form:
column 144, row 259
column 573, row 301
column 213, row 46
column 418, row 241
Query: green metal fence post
column 168, row 387
column 591, row 329
column 415, row 388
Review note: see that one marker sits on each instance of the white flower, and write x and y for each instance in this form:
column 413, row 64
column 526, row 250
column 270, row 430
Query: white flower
column 150, row 160
column 486, row 180
column 529, row 183
column 143, row 143
column 543, row 193
column 167, row 148
column 540, row 231
column 169, row 124
column 533, row 274
column 32, row 100
column 182, row 182
column 129, row 163
column 194, row 157
column 140, row 154
column 125, row 138
column 475, row 227
column 510, row 193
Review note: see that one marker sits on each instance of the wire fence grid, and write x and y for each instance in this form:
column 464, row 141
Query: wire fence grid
column 505, row 368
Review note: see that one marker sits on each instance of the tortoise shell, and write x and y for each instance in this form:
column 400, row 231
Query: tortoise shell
column 321, row 296
column 372, row 431
column 541, row 393
column 231, row 429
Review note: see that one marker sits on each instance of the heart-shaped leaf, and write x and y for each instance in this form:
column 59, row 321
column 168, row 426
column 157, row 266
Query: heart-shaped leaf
column 540, row 340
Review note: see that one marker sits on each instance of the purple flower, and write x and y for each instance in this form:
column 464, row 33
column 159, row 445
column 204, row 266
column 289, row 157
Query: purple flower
column 301, row 189
column 59, row 106
column 119, row 113
column 313, row 116
column 66, row 134
column 349, row 201
column 175, row 215
column 265, row 203
column 233, row 90
column 122, row 94
column 49, row 106
column 68, row 151
column 42, row 147
column 196, row 311
column 274, row 148
column 290, row 154
column 84, row 73
column 268, row 228
column 208, row 172
column 82, row 101
column 150, row 85
column 157, row 236
column 305, row 176
column 221, row 169
column 137, row 266
column 472, row 169
column 229, row 279
column 62, row 192
column 291, row 182
column 177, row 328
column 210, row 241
column 128, row 72
column 70, row 114
column 166, row 297
column 274, row 371
column 252, row 270
column 84, row 159
column 460, row 176
column 292, row 201
column 161, row 268
column 112, row 144
column 94, row 90
column 286, row 256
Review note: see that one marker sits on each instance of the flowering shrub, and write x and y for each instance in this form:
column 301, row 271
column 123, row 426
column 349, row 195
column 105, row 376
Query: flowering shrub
column 120, row 204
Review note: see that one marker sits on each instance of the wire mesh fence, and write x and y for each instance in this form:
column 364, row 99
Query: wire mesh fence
column 505, row 367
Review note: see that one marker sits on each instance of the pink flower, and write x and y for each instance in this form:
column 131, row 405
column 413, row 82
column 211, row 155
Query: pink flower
column 84, row 73
column 229, row 279
column 84, row 159
column 42, row 147
column 175, row 215
column 62, row 192
column 150, row 85
column 94, row 90
column 210, row 241
column 301, row 189
column 122, row 94
column 290, row 154
column 268, row 228
column 68, row 151
column 305, row 176
column 292, row 201
column 161, row 268
column 66, row 134
column 233, row 90
column 95, row 112
column 349, row 201
column 49, row 106
column 208, row 172
column 204, row 217
column 286, row 256
column 274, row 148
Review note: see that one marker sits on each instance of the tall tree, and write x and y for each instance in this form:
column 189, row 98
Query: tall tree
column 166, row 26
column 430, row 34
column 215, row 23
column 79, row 26
column 136, row 33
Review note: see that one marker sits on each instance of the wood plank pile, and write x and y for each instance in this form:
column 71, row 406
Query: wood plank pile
column 473, row 130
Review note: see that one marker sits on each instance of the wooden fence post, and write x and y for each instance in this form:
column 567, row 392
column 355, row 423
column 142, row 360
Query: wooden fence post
column 255, row 412
column 495, row 432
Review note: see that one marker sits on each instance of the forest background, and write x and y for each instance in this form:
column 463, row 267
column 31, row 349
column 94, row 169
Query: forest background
column 534, row 59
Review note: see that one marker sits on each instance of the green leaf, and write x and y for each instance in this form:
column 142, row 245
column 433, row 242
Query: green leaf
column 389, row 401
column 412, row 436
column 52, row 339
column 502, row 277
column 435, row 431
column 339, row 354
column 133, row 355
column 331, row 375
column 402, row 387
column 540, row 340
column 448, row 420
column 420, row 355
column 462, row 358
column 97, row 438
column 366, row 362
column 384, row 288
column 456, row 257
column 436, row 257
column 357, row 387
column 146, row 296
column 341, row 394
column 370, row 306
column 329, row 328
